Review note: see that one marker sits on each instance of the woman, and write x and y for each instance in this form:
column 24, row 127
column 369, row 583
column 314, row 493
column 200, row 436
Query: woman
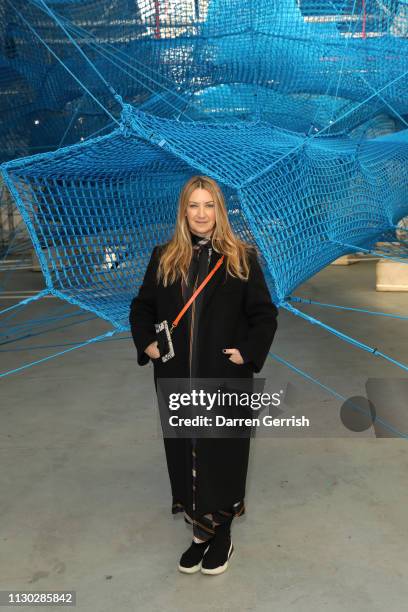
column 226, row 332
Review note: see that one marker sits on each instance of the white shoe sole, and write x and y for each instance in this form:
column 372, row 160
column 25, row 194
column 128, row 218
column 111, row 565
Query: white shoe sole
column 221, row 568
column 194, row 568
column 190, row 570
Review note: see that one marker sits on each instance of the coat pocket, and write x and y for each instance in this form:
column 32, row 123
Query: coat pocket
column 236, row 365
column 246, row 366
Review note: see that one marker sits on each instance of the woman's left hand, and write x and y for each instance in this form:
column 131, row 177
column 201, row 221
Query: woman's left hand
column 236, row 356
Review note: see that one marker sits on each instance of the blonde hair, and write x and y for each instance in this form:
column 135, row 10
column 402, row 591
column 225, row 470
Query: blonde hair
column 176, row 254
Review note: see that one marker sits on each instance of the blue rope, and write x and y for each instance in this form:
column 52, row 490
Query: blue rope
column 371, row 251
column 118, row 54
column 71, row 122
column 38, row 322
column 392, row 109
column 46, row 346
column 78, row 48
column 342, row 336
column 39, row 295
column 44, row 331
column 54, row 316
column 62, row 63
column 33, row 363
column 319, row 133
column 292, row 298
column 340, row 73
column 333, row 392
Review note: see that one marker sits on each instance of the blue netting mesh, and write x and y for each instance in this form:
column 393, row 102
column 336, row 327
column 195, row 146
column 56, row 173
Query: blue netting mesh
column 298, row 64
column 297, row 108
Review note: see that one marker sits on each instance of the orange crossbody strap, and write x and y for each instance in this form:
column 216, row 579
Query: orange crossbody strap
column 196, row 292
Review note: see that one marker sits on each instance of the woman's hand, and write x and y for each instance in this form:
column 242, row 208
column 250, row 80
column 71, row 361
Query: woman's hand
column 153, row 350
column 236, row 356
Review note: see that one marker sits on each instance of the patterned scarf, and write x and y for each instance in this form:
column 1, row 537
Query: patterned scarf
column 200, row 260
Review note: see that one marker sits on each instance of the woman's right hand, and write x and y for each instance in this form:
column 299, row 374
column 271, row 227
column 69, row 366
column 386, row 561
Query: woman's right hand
column 153, row 350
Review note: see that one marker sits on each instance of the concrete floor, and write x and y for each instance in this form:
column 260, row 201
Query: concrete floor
column 85, row 502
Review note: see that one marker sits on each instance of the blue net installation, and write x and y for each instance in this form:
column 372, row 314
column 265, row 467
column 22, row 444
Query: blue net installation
column 297, row 107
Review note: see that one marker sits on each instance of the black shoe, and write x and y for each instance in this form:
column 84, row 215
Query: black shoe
column 190, row 561
column 215, row 560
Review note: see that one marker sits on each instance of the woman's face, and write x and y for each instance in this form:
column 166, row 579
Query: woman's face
column 200, row 212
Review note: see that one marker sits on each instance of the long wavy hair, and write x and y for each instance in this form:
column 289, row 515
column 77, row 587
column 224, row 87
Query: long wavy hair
column 176, row 254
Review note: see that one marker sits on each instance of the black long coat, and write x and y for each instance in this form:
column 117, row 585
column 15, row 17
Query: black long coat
column 234, row 314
